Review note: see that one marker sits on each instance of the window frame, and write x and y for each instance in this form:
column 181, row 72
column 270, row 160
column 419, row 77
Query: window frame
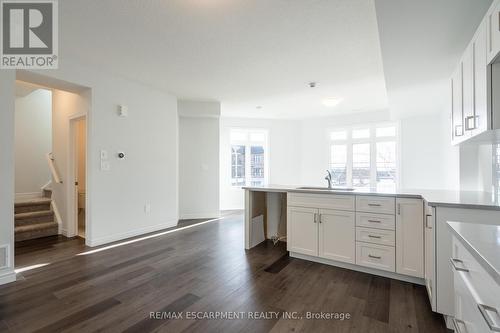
column 248, row 158
column 372, row 140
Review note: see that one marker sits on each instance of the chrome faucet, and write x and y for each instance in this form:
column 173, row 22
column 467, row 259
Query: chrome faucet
column 328, row 177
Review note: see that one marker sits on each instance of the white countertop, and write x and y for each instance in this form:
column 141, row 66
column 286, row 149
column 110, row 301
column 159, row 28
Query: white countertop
column 445, row 198
column 483, row 241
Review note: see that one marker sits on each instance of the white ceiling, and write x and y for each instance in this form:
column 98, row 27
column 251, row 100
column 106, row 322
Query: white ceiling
column 242, row 53
column 265, row 52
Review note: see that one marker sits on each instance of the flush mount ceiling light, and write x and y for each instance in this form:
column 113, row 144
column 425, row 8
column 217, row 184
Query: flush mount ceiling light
column 331, row 101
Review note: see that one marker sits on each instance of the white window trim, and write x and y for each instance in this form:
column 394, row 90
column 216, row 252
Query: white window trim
column 373, row 140
column 247, row 143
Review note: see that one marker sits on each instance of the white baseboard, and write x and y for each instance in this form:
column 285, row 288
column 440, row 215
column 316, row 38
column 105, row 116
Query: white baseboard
column 28, row 196
column 124, row 235
column 208, row 215
column 357, row 268
column 7, row 277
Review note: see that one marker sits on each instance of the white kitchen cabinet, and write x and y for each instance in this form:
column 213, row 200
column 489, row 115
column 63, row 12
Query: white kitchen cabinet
column 477, row 295
column 493, row 31
column 467, row 68
column 337, row 235
column 410, row 237
column 457, row 114
column 302, row 230
column 430, row 255
column 479, row 121
column 375, row 256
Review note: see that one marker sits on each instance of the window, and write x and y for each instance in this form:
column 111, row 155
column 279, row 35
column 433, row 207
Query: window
column 248, row 157
column 365, row 156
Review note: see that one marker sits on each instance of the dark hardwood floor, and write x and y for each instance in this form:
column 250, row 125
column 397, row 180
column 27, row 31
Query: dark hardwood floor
column 200, row 270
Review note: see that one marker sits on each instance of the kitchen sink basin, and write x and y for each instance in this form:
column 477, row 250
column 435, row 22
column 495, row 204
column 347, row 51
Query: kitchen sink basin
column 320, row 188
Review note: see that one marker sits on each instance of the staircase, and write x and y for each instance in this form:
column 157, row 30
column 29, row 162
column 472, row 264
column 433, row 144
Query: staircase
column 35, row 218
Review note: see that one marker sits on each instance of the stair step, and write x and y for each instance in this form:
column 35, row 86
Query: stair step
column 31, row 218
column 32, row 205
column 38, row 230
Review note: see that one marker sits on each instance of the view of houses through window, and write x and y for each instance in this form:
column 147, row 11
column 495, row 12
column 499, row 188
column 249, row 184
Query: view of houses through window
column 248, row 157
column 364, row 156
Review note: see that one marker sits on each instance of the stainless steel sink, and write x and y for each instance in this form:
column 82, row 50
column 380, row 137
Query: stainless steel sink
column 320, row 188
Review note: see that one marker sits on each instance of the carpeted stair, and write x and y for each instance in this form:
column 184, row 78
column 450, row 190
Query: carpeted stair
column 34, row 219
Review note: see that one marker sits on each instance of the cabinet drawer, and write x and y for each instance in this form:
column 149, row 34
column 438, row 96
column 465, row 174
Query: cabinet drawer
column 375, row 204
column 375, row 236
column 468, row 318
column 379, row 221
column 376, row 256
column 484, row 287
column 326, row 201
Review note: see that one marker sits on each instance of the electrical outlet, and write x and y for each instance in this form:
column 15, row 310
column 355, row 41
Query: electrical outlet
column 147, row 208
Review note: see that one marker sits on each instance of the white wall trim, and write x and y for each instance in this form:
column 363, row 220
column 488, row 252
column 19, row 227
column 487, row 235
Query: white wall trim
column 7, row 277
column 208, row 215
column 357, row 268
column 121, row 236
column 28, row 196
column 58, row 218
column 46, row 186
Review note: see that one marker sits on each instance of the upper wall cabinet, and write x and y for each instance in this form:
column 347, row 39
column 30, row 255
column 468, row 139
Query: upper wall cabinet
column 493, row 31
column 469, row 90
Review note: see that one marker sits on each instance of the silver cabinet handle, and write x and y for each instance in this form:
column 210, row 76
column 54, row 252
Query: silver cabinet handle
column 374, row 205
column 456, row 323
column 459, row 130
column 427, row 225
column 468, row 127
column 320, row 218
column 399, row 209
column 374, row 257
column 485, row 310
column 374, row 221
column 372, row 236
column 315, row 217
column 453, row 263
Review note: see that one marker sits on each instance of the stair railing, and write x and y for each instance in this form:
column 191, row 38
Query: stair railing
column 53, row 170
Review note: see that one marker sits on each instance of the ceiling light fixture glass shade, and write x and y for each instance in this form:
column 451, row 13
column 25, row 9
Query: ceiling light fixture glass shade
column 331, row 102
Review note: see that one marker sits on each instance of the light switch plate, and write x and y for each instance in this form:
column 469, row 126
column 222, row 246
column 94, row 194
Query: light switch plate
column 105, row 166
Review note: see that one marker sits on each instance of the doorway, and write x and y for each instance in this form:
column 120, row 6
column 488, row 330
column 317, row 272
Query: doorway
column 78, row 135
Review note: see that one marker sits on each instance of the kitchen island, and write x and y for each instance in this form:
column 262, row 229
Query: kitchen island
column 398, row 234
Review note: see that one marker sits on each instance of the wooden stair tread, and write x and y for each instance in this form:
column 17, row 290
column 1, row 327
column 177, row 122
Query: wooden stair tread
column 28, row 215
column 33, row 202
column 38, row 226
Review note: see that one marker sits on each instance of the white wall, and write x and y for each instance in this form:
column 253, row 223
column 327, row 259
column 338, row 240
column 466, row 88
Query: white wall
column 428, row 160
column 284, row 138
column 7, row 80
column 116, row 199
column 33, row 140
column 198, row 159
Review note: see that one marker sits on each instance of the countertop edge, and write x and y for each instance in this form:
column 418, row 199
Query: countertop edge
column 395, row 195
column 475, row 253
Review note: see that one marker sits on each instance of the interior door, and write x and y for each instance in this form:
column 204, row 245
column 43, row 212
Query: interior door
column 337, row 235
column 303, row 230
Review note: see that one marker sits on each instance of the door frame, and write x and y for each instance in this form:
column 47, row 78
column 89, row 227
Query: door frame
column 72, row 196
